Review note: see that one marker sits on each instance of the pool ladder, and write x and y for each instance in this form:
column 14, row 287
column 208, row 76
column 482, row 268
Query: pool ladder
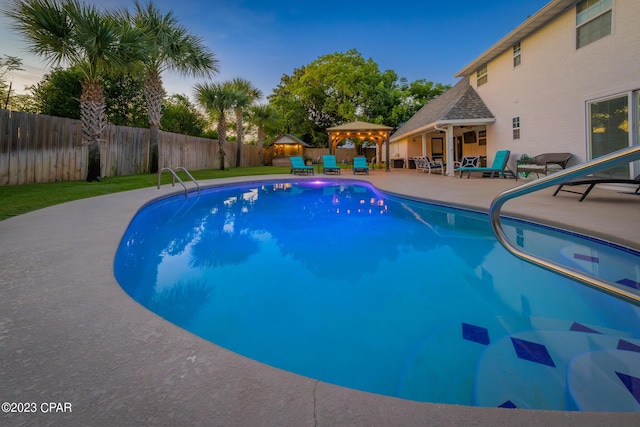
column 624, row 156
column 175, row 176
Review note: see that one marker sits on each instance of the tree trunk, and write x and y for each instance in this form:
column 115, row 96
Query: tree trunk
column 154, row 93
column 92, row 114
column 240, row 134
column 154, row 131
column 222, row 138
column 93, row 166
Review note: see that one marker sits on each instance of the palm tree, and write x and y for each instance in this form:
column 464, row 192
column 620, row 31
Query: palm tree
column 217, row 99
column 171, row 48
column 247, row 94
column 260, row 116
column 81, row 36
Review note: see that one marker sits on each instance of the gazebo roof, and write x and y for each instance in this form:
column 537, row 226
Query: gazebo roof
column 286, row 138
column 358, row 126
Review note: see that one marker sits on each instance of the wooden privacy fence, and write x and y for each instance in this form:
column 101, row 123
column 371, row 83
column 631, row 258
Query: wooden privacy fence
column 38, row 148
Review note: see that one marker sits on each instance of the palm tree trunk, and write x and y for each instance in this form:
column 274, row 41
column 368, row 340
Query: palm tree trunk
column 154, row 94
column 222, row 138
column 240, row 134
column 92, row 114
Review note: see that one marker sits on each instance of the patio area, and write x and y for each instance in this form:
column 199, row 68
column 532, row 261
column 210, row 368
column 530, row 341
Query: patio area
column 70, row 334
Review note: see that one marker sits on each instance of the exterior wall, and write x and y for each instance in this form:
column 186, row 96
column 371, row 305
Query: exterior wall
column 550, row 88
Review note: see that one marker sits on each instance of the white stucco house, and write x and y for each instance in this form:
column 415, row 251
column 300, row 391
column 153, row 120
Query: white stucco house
column 566, row 80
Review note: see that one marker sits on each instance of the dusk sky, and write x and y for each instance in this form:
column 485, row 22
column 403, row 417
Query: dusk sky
column 263, row 40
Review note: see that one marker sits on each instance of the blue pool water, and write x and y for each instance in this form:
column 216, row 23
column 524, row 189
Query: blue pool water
column 355, row 287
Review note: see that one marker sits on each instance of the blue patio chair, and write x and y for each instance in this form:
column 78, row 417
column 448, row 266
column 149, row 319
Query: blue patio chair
column 498, row 168
column 329, row 165
column 360, row 165
column 298, row 167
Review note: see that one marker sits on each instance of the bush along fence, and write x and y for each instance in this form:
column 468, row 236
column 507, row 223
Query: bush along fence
column 38, row 148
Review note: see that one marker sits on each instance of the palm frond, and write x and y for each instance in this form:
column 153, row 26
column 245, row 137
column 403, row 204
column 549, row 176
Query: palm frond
column 46, row 26
column 171, row 47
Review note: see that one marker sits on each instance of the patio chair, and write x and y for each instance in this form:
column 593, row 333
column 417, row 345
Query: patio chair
column 360, row 165
column 467, row 162
column 298, row 167
column 498, row 168
column 329, row 165
column 425, row 164
column 593, row 181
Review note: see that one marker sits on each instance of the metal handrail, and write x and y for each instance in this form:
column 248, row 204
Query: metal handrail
column 607, row 161
column 175, row 176
column 190, row 176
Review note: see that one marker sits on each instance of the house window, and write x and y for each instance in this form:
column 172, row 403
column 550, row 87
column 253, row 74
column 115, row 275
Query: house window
column 482, row 137
column 517, row 55
column 516, row 128
column 481, row 77
column 593, row 21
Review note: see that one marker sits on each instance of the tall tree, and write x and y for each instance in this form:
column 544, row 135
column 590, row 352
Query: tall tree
column 334, row 89
column 7, row 65
column 342, row 87
column 247, row 95
column 124, row 94
column 179, row 115
column 261, row 116
column 58, row 93
column 82, row 36
column 217, row 99
column 170, row 48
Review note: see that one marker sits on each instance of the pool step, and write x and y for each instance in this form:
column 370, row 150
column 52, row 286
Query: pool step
column 561, row 370
column 462, row 363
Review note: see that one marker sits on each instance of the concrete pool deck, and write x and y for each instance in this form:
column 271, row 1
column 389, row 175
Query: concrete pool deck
column 70, row 334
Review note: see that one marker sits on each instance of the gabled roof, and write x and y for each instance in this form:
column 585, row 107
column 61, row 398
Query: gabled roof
column 528, row 27
column 459, row 104
column 286, row 138
column 358, row 126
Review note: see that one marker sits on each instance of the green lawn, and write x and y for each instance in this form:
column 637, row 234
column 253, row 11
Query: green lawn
column 19, row 199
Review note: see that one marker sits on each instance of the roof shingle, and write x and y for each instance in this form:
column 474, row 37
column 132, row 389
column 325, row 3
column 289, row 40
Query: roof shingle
column 461, row 102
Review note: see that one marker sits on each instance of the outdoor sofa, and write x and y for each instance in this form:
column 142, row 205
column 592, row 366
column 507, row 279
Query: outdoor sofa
column 543, row 163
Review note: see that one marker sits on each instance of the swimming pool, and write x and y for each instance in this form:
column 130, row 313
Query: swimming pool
column 358, row 288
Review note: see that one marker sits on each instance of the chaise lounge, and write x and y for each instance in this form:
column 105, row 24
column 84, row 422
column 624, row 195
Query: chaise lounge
column 298, row 167
column 360, row 165
column 593, row 181
column 329, row 165
column 498, row 168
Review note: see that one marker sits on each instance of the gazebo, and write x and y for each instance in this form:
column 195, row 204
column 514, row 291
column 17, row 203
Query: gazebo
column 362, row 130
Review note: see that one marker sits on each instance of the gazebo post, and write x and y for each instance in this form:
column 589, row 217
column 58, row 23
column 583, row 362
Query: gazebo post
column 386, row 154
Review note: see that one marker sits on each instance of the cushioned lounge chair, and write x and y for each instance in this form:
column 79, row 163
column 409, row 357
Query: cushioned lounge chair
column 498, row 168
column 298, row 167
column 425, row 164
column 329, row 165
column 360, row 165
column 593, row 181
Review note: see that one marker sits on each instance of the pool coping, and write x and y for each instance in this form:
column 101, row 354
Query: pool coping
column 69, row 333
